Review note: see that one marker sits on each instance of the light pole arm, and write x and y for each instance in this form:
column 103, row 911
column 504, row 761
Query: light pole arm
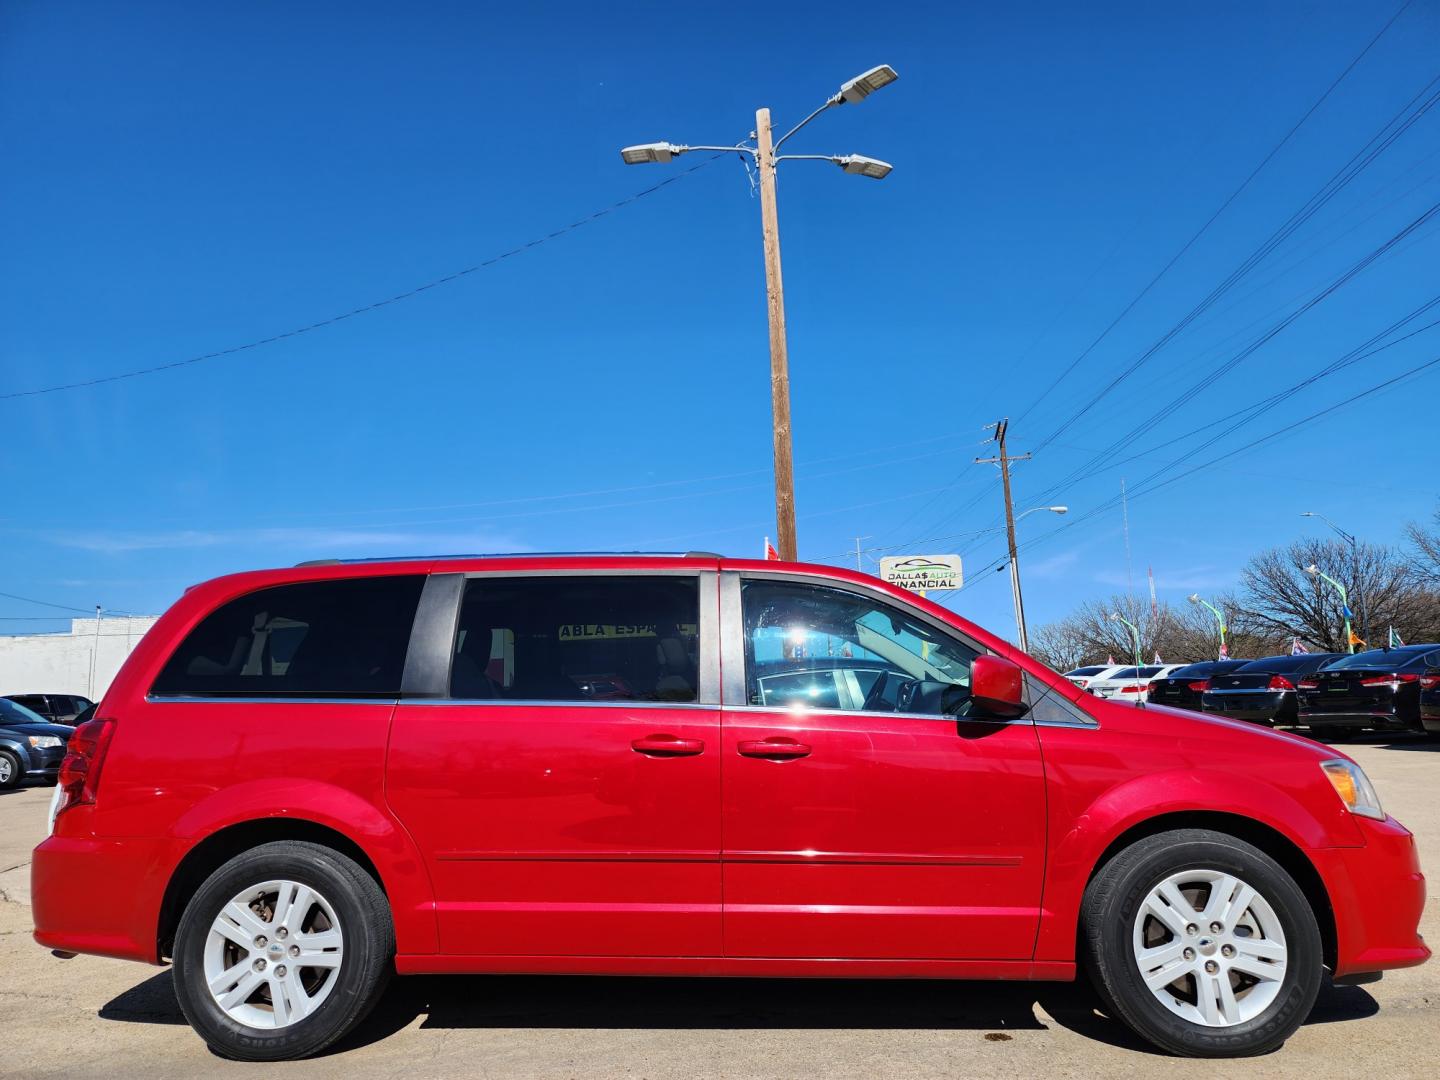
column 832, row 102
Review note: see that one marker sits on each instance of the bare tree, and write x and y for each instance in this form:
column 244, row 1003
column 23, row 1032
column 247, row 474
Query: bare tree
column 1425, row 550
column 1279, row 597
column 1178, row 634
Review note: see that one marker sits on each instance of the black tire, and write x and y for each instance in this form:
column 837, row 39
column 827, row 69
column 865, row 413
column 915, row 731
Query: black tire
column 1108, row 916
column 10, row 777
column 367, row 961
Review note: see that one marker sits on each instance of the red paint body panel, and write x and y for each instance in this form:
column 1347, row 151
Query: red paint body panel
column 525, row 838
column 899, row 837
column 546, row 832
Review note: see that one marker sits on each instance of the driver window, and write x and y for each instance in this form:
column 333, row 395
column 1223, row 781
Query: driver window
column 807, row 646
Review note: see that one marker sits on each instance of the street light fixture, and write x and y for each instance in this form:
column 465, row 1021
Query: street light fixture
column 765, row 156
column 1194, row 598
column 859, row 165
column 1314, row 571
column 862, row 86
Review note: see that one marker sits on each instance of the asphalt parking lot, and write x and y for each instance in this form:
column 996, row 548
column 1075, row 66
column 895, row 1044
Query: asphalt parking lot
column 90, row 1017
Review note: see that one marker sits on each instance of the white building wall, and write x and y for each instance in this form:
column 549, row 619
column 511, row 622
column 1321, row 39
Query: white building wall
column 62, row 663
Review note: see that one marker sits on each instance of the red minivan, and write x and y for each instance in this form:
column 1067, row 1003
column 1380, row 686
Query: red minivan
column 304, row 780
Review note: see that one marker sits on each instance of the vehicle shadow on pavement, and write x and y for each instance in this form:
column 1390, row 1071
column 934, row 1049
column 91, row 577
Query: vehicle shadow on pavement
column 557, row 1001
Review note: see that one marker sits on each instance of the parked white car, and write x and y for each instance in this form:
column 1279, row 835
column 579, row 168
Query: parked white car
column 1130, row 683
column 1084, row 676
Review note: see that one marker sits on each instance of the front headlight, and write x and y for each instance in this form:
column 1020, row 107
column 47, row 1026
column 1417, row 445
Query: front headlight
column 1353, row 787
column 42, row 742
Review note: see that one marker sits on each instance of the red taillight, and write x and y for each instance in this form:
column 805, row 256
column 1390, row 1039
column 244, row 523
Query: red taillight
column 1393, row 680
column 80, row 771
column 1082, row 683
column 1311, row 683
column 1199, row 686
column 1134, row 689
column 1430, row 682
column 1279, row 682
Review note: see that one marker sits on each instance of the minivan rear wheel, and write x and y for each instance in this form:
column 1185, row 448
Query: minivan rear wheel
column 1202, row 944
column 282, row 951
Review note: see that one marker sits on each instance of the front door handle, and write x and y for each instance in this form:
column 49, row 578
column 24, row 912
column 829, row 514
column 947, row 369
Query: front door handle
column 777, row 747
column 668, row 746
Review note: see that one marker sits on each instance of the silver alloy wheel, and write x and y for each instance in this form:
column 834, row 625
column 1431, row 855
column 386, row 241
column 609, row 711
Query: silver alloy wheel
column 5, row 768
column 1210, row 948
column 273, row 954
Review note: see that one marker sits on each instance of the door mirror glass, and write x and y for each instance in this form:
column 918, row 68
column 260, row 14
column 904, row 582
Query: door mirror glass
column 997, row 688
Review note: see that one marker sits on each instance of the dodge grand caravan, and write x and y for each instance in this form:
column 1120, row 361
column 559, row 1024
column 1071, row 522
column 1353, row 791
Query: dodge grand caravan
column 306, row 780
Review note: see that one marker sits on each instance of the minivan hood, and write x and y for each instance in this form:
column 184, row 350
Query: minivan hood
column 1239, row 735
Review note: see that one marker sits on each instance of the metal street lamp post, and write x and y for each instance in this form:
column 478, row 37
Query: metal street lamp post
column 766, row 156
column 1115, row 616
column 1316, row 572
column 1022, row 638
column 1219, row 619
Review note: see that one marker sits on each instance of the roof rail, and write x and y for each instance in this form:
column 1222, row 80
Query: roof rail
column 517, row 555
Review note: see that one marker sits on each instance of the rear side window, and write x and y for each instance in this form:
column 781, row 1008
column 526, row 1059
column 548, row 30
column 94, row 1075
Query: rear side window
column 343, row 638
column 585, row 638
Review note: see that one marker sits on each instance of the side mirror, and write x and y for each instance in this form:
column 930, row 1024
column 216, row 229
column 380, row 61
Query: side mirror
column 997, row 687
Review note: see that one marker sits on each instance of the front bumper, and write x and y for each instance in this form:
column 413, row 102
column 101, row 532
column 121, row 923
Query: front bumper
column 1377, row 893
column 45, row 763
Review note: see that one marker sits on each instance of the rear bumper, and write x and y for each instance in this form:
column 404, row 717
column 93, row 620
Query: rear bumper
column 99, row 896
column 1263, row 707
column 1377, row 893
column 1382, row 721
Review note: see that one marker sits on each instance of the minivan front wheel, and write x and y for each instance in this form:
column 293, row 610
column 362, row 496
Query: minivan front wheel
column 282, row 951
column 1202, row 944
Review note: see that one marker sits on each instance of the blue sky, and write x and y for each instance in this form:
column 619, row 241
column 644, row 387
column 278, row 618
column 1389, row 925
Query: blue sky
column 184, row 178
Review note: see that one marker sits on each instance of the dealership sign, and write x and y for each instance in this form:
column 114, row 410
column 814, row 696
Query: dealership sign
column 920, row 573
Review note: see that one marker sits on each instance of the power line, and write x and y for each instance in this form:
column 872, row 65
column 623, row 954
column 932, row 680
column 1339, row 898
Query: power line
column 365, row 309
column 1207, row 380
column 1213, row 217
column 1378, row 143
column 47, row 603
column 1112, row 502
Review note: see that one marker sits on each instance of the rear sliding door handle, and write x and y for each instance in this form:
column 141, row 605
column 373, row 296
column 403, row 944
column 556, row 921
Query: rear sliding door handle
column 667, row 746
column 776, row 747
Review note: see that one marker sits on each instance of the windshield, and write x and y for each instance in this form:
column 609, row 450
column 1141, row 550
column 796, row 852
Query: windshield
column 10, row 713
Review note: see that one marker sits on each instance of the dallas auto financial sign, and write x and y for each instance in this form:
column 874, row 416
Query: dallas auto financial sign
column 922, row 573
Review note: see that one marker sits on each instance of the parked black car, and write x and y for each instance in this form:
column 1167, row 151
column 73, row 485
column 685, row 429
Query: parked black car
column 1430, row 700
column 1263, row 691
column 30, row 746
column 1379, row 689
column 1182, row 688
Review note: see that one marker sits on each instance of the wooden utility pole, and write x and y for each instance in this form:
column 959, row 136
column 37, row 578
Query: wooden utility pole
column 779, row 358
column 1004, row 460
